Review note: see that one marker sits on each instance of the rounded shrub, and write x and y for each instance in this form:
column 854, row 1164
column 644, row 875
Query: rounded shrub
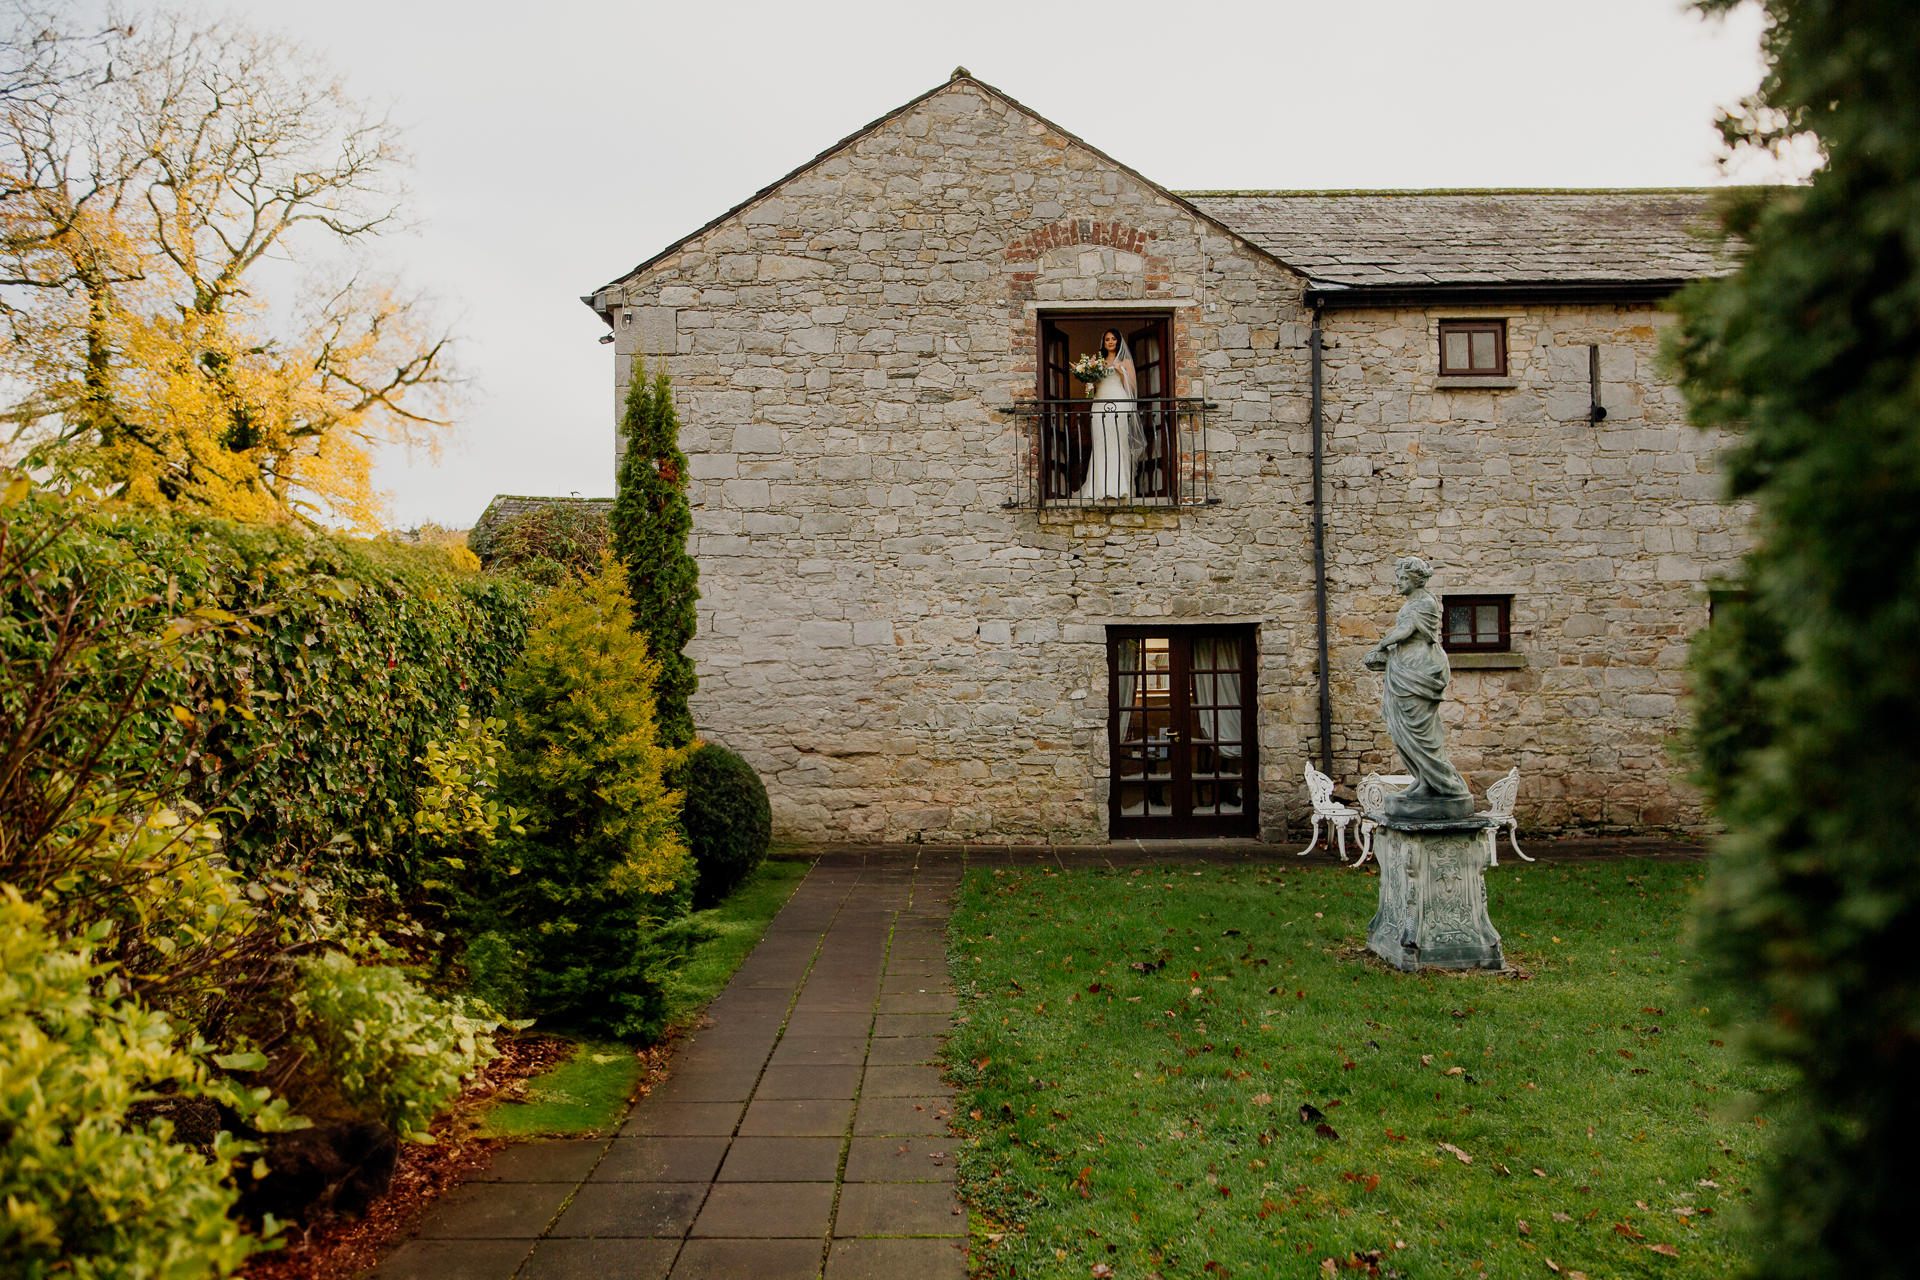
column 728, row 820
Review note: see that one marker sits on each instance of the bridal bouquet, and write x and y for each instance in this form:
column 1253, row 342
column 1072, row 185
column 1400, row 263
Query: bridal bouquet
column 1090, row 369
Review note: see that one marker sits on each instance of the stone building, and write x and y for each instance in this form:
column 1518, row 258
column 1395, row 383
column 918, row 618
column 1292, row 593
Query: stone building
column 921, row 621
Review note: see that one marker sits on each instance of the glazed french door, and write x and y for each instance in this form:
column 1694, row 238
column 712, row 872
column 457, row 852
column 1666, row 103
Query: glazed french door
column 1182, row 731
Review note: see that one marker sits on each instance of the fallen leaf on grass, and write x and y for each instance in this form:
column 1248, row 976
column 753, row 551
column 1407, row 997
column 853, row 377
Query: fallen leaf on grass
column 1539, row 1173
column 1525, row 1230
column 1310, row 1113
column 1563, row 1217
column 1101, row 1271
column 1666, row 1250
column 1622, row 1229
column 1328, row 1132
column 1426, row 1059
column 1457, row 1153
column 1456, row 1071
column 1261, row 1099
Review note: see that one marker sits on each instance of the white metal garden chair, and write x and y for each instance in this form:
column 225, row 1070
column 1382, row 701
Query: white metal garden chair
column 1327, row 809
column 1500, row 797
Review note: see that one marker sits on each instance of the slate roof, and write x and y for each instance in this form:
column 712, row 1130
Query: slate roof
column 1420, row 238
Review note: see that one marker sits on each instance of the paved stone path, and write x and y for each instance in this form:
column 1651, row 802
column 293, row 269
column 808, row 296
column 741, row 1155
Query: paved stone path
column 804, row 1129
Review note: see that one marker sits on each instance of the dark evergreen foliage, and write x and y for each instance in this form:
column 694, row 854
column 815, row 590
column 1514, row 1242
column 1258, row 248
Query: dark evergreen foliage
column 651, row 520
column 728, row 820
column 1809, row 693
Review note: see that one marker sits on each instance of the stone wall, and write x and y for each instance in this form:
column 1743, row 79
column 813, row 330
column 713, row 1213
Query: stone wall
column 1605, row 534
column 901, row 656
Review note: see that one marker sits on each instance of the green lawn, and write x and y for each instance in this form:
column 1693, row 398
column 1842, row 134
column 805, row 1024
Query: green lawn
column 1151, row 1120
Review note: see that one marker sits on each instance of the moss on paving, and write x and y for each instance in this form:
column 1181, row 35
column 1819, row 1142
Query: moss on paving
column 590, row 1092
column 586, row 1094
column 1150, row 1120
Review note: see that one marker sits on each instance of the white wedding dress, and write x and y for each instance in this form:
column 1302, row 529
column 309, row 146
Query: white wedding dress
column 1117, row 441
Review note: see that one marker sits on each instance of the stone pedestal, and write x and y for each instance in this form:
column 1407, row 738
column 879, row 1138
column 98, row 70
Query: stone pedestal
column 1433, row 895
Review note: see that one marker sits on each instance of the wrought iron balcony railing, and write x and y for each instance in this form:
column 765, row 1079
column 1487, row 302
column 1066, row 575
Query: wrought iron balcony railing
column 1071, row 453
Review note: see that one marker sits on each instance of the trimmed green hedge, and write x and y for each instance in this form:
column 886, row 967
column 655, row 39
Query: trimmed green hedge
column 351, row 656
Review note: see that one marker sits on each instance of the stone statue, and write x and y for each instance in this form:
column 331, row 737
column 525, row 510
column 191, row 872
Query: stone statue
column 1417, row 676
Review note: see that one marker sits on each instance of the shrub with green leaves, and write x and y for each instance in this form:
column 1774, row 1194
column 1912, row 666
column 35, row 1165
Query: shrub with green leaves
column 727, row 817
column 310, row 671
column 1811, row 691
column 395, row 1053
column 584, row 893
column 82, row 1192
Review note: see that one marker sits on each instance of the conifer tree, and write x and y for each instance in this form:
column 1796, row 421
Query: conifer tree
column 651, row 520
column 603, row 866
column 1808, row 702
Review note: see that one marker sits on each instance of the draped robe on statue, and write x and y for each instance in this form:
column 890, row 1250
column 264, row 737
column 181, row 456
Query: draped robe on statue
column 1417, row 675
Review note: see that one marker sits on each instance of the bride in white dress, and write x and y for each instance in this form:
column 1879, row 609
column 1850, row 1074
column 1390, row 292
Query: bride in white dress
column 1118, row 439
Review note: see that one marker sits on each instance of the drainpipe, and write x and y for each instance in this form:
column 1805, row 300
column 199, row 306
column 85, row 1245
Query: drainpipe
column 1320, row 553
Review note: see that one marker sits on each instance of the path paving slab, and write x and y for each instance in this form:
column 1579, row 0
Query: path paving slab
column 662, row 1159
column 623, row 1209
column 748, row 1260
column 899, row 1209
column 809, row 1081
column 800, row 1118
column 567, row 1161
column 870, row 1259
column 557, row 1258
column 901, row 1082
column 765, row 1210
column 454, row 1260
column 904, row 1050
column 496, row 1211
column 783, row 1160
column 901, row 1160
column 903, row 1117
column 685, row 1119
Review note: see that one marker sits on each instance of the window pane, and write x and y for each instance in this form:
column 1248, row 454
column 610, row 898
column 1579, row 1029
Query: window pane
column 1487, row 624
column 1483, row 357
column 1459, row 623
column 1454, row 351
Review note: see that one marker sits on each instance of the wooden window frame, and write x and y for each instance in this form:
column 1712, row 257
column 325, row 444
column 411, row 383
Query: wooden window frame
column 1498, row 328
column 1504, row 644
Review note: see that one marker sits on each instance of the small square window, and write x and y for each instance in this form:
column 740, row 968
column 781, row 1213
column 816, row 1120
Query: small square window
column 1473, row 348
column 1477, row 624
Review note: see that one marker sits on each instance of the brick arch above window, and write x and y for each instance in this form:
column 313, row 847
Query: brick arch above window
column 1060, row 235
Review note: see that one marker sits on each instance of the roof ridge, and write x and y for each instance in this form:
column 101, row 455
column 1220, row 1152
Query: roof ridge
column 960, row 77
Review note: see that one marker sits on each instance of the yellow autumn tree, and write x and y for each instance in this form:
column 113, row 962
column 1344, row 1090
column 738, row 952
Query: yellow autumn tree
column 146, row 190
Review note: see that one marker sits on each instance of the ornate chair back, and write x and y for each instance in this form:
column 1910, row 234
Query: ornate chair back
column 1372, row 793
column 1500, row 795
column 1320, row 787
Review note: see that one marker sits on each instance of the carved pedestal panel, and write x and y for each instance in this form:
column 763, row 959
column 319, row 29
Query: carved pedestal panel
column 1433, row 896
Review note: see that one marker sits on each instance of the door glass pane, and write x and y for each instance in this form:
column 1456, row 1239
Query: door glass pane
column 1483, row 357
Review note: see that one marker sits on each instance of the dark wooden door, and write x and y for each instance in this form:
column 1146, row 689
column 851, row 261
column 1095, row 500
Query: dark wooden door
column 1182, row 732
column 1153, row 478
column 1066, row 438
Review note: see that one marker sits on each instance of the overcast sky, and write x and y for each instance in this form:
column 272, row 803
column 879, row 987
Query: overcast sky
column 559, row 144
